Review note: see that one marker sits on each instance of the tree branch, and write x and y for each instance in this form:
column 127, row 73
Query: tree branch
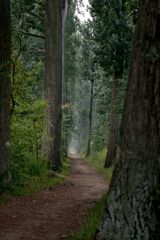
column 34, row 35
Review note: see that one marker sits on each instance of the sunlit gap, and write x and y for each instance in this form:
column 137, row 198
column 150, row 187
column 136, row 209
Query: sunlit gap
column 78, row 142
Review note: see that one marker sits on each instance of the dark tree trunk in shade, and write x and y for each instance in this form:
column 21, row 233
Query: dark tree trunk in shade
column 90, row 121
column 5, row 91
column 132, row 210
column 53, row 82
column 114, row 124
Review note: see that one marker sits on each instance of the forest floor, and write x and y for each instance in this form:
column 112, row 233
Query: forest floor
column 55, row 213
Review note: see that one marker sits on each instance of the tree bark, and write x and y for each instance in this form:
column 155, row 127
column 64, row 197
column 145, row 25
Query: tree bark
column 132, row 210
column 114, row 124
column 5, row 91
column 53, row 82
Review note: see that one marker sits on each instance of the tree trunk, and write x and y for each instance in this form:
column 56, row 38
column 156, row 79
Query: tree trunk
column 118, row 74
column 132, row 210
column 64, row 83
column 53, row 82
column 114, row 124
column 64, row 16
column 90, row 121
column 5, row 91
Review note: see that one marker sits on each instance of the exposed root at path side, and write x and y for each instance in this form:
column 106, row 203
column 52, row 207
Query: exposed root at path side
column 53, row 214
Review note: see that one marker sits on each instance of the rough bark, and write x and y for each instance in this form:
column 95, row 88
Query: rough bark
column 5, row 91
column 114, row 124
column 53, row 82
column 132, row 211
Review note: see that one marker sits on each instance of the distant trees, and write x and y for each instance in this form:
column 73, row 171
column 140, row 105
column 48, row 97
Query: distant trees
column 88, row 74
column 5, row 91
column 113, row 38
column 71, row 71
column 90, row 90
column 132, row 209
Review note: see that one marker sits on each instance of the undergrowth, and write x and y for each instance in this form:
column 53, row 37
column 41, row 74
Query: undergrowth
column 97, row 159
column 33, row 178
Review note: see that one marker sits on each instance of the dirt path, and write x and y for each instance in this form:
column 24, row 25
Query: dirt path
column 53, row 214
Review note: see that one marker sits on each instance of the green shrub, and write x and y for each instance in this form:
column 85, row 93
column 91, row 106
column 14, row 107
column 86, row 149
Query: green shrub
column 37, row 167
column 97, row 159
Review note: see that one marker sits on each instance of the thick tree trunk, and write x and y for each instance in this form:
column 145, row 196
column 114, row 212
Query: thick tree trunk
column 53, row 82
column 5, row 91
column 114, row 124
column 132, row 210
column 90, row 121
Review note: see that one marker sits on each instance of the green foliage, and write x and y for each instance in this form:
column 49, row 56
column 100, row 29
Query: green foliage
column 27, row 122
column 26, row 144
column 101, row 110
column 132, row 9
column 27, row 84
column 34, row 178
column 88, row 72
column 88, row 230
column 112, row 34
column 97, row 159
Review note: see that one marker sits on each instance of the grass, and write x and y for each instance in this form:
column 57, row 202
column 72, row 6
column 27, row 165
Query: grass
column 35, row 184
column 97, row 160
column 88, row 230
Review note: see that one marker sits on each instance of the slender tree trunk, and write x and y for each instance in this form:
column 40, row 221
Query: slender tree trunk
column 53, row 82
column 64, row 81
column 132, row 210
column 5, row 91
column 64, row 15
column 90, row 121
column 114, row 123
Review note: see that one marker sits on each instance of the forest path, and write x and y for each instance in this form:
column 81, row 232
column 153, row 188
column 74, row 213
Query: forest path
column 53, row 214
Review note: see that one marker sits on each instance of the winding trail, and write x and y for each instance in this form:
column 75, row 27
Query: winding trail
column 53, row 214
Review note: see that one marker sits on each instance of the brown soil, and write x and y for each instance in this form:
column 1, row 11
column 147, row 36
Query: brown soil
column 53, row 214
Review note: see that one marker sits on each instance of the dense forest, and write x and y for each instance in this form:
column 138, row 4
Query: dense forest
column 80, row 103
